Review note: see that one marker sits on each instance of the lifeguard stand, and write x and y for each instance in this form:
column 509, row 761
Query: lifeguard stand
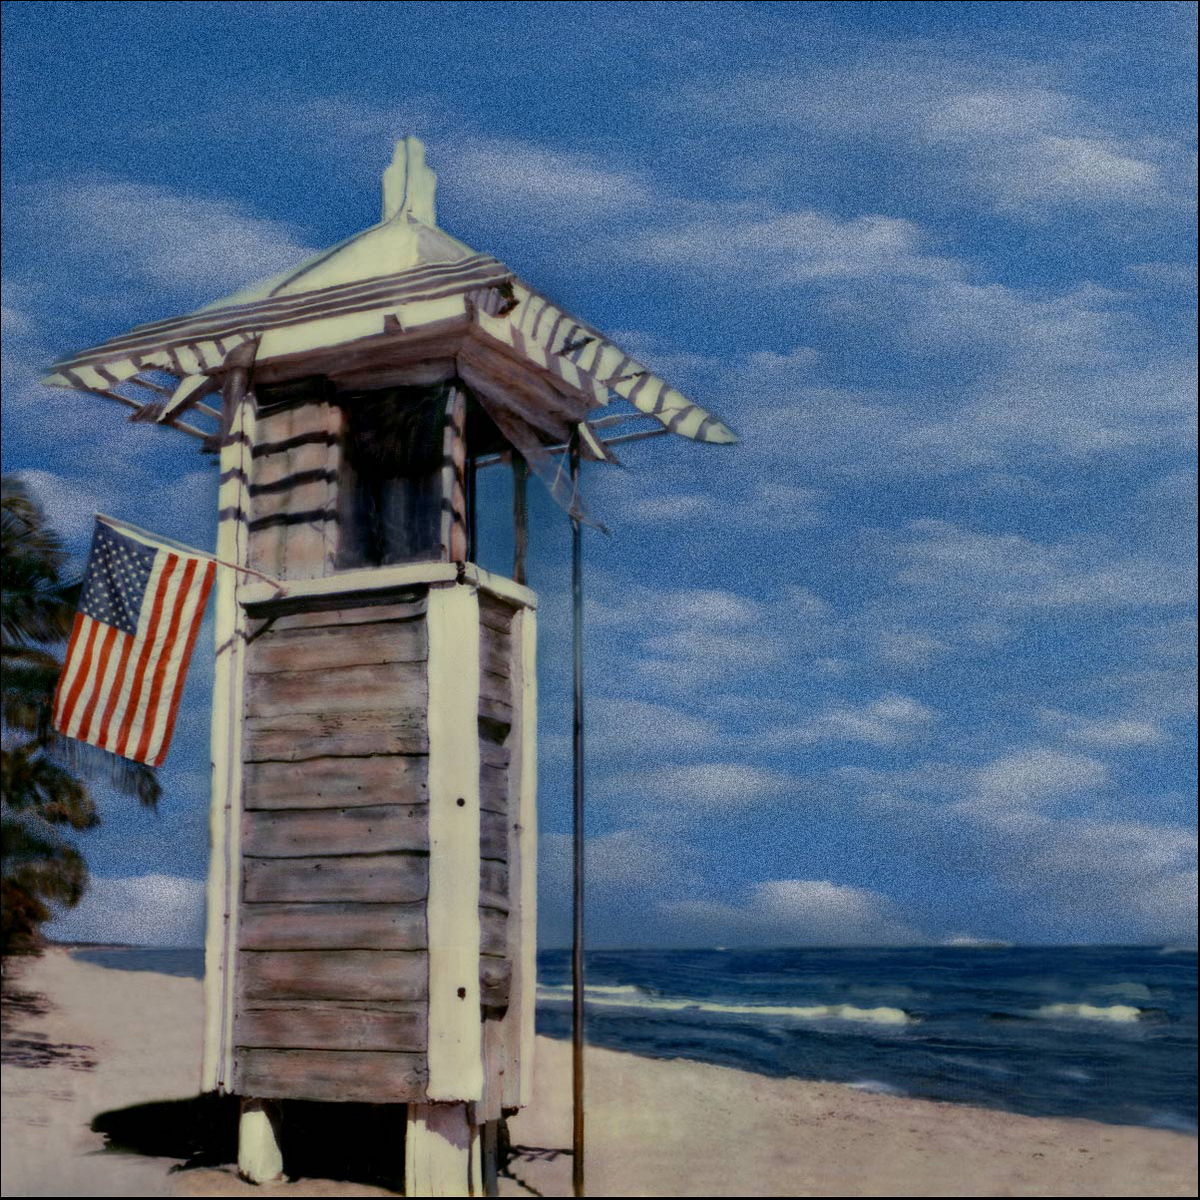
column 372, row 888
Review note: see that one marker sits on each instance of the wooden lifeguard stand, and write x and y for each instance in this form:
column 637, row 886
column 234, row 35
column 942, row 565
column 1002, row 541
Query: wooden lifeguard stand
column 372, row 886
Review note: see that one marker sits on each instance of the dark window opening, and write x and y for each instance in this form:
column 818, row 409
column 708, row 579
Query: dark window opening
column 391, row 491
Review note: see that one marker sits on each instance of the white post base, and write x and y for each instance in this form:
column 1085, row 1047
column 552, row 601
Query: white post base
column 260, row 1159
column 441, row 1151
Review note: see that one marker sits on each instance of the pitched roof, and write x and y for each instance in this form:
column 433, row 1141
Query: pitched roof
column 398, row 293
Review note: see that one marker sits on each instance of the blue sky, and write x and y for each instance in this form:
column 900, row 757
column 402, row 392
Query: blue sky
column 914, row 662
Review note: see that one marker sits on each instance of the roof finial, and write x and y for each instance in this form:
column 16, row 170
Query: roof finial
column 408, row 184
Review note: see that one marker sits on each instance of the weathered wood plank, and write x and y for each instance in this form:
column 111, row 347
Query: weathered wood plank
column 523, row 832
column 274, row 426
column 300, row 926
column 493, row 932
column 497, row 711
column 335, row 420
column 296, row 737
column 333, row 975
column 494, row 627
column 495, row 613
column 370, row 878
column 494, row 658
column 496, row 687
column 321, row 612
column 338, row 689
column 266, row 545
column 495, row 1059
column 495, row 976
column 493, row 885
column 308, row 648
column 494, row 754
column 333, row 1025
column 493, row 836
column 493, row 789
column 345, row 1075
column 338, row 782
column 378, row 829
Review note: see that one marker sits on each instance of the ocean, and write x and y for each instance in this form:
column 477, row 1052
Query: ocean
column 1104, row 1032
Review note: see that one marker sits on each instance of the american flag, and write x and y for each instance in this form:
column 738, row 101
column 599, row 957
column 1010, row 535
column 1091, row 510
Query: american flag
column 139, row 613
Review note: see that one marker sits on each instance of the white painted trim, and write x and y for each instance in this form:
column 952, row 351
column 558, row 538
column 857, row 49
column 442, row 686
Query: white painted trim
column 500, row 586
column 381, row 579
column 452, row 910
column 224, row 867
column 524, row 984
column 441, row 1151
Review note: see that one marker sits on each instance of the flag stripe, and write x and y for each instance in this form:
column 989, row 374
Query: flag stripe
column 164, row 659
column 137, row 678
column 85, row 718
column 159, row 750
column 155, row 638
column 102, row 738
column 80, row 675
column 71, row 663
column 126, row 681
column 116, row 660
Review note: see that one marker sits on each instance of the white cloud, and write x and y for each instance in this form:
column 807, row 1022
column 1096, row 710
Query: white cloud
column 69, row 504
column 1118, row 732
column 194, row 245
column 1008, row 571
column 624, row 859
column 718, row 785
column 525, row 180
column 140, row 910
column 620, row 728
column 892, row 720
column 168, row 503
column 1029, row 778
column 777, row 248
column 1131, row 880
column 906, row 648
column 797, row 912
column 992, row 129
column 693, row 640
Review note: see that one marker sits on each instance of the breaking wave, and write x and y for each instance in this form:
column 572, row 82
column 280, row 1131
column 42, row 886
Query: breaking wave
column 1123, row 1013
column 632, row 997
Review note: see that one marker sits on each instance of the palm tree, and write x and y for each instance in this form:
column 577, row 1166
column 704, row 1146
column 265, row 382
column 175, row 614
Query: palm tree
column 43, row 788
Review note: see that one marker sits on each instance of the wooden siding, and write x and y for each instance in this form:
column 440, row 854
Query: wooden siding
column 333, row 960
column 293, row 484
column 333, row 964
column 495, row 798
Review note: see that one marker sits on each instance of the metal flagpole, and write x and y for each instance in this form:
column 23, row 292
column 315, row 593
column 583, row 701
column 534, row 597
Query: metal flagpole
column 577, row 973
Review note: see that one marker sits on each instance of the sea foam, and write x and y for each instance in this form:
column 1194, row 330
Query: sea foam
column 631, row 997
column 1091, row 1012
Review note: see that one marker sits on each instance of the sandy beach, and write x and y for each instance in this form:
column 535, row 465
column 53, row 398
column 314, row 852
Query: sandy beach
column 82, row 1040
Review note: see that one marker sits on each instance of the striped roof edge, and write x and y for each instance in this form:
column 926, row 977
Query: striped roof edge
column 502, row 308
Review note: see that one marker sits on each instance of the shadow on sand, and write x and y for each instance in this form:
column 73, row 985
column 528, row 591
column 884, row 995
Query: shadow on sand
column 21, row 1046
column 355, row 1143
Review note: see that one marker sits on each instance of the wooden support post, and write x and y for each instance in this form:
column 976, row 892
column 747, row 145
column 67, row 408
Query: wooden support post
column 441, row 1151
column 489, row 1139
column 520, row 471
column 454, row 480
column 224, row 870
column 577, row 962
column 260, row 1157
